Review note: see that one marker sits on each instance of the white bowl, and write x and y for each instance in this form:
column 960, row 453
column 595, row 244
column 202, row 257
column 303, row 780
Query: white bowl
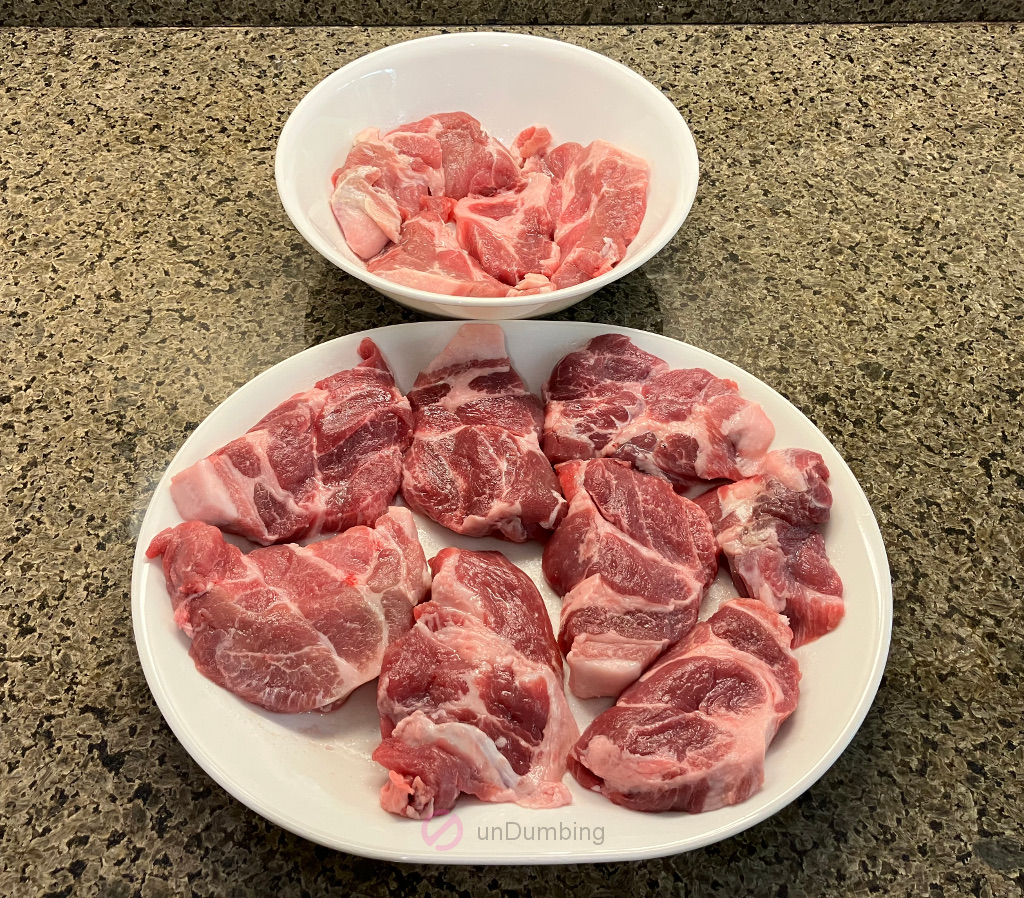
column 508, row 82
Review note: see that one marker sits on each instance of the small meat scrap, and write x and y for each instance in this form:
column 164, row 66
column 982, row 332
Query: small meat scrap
column 534, row 218
column 383, row 182
column 292, row 628
column 611, row 398
column 474, row 162
column 471, row 698
column 531, row 143
column 322, row 461
column 692, row 733
column 632, row 560
column 767, row 528
column 475, row 464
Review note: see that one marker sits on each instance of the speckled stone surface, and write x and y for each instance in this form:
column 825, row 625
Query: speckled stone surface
column 856, row 243
column 122, row 13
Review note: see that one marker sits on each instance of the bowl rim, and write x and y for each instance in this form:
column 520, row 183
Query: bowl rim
column 673, row 222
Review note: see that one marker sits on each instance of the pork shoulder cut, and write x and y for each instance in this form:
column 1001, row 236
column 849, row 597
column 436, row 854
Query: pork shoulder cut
column 471, row 698
column 692, row 733
column 292, row 628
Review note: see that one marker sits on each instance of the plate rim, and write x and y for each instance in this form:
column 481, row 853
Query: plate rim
column 880, row 572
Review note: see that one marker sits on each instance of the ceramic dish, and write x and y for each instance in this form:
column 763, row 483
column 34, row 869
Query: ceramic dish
column 312, row 773
column 508, row 82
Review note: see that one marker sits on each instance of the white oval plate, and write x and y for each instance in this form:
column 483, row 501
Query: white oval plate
column 312, row 773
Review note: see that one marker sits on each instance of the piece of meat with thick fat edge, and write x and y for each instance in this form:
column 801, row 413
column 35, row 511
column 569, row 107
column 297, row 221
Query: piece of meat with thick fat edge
column 471, row 698
column 632, row 560
column 692, row 733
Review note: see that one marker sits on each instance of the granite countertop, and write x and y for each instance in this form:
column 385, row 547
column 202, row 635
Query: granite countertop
column 856, row 243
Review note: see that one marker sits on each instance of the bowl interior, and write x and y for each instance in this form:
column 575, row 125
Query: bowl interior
column 506, row 81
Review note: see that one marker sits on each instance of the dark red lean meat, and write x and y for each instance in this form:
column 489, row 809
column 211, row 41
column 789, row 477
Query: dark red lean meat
column 292, row 628
column 766, row 526
column 475, row 464
column 612, row 399
column 632, row 560
column 692, row 733
column 471, row 698
column 320, row 462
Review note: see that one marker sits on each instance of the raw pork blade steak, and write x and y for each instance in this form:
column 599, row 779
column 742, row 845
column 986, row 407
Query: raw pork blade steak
column 633, row 561
column 766, row 528
column 510, row 233
column 471, row 698
column 474, row 162
column 692, row 733
column 320, row 462
column 475, row 464
column 290, row 628
column 603, row 201
column 613, row 399
column 428, row 257
column 383, row 183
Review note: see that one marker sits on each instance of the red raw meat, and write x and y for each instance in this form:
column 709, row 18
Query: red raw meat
column 489, row 586
column 686, row 425
column 320, row 462
column 534, row 218
column 531, row 144
column 537, row 158
column 633, row 560
column 368, row 215
column 765, row 527
column 471, row 698
column 291, row 628
column 474, row 162
column 531, row 285
column 553, row 163
column 383, row 182
column 604, row 198
column 428, row 257
column 475, row 464
column 510, row 233
column 692, row 733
